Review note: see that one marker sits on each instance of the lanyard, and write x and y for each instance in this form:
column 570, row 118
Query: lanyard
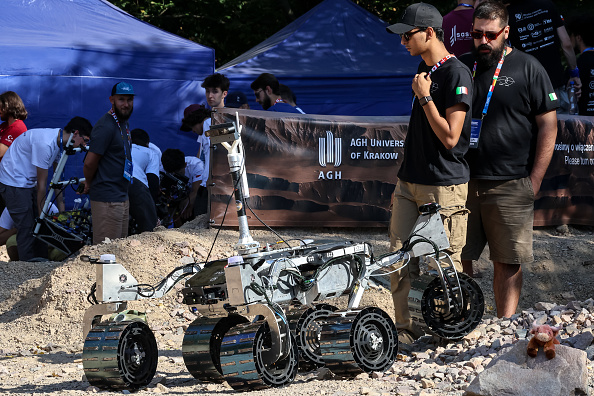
column 121, row 132
column 588, row 49
column 279, row 100
column 495, row 77
column 441, row 62
column 465, row 5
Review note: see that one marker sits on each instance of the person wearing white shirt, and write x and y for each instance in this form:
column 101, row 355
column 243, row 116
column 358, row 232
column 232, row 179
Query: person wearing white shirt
column 175, row 162
column 23, row 177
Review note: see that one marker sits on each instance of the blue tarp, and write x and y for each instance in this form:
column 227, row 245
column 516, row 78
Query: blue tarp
column 338, row 59
column 63, row 56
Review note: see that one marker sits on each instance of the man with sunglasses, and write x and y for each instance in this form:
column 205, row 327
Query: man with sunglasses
column 434, row 168
column 513, row 135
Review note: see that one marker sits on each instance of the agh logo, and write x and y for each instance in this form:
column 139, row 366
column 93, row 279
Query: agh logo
column 330, row 152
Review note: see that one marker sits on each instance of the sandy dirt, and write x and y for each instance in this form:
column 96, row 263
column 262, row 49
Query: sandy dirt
column 42, row 304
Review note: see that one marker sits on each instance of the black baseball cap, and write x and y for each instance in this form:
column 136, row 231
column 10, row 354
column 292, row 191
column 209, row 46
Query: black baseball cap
column 421, row 15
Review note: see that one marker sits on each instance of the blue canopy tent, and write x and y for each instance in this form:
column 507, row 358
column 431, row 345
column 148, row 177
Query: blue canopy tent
column 338, row 59
column 62, row 57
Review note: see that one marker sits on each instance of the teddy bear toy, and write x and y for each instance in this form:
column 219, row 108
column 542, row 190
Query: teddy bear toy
column 544, row 336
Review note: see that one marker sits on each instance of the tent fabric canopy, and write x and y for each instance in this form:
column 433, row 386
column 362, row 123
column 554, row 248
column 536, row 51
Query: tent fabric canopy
column 63, row 56
column 337, row 58
column 91, row 38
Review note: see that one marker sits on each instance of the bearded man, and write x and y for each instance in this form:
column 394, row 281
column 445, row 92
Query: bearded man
column 108, row 167
column 267, row 91
column 514, row 127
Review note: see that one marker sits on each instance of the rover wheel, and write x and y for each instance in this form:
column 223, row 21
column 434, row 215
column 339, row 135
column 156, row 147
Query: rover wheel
column 120, row 355
column 202, row 344
column 359, row 341
column 244, row 361
column 306, row 330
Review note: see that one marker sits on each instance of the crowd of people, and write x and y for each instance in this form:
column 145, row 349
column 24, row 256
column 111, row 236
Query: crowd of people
column 481, row 135
column 122, row 168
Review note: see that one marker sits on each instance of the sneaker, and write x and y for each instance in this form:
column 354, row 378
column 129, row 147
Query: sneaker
column 406, row 337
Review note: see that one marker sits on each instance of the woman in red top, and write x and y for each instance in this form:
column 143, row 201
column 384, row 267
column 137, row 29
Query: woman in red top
column 12, row 113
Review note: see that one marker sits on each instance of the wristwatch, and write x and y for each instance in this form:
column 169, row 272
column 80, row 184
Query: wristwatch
column 424, row 100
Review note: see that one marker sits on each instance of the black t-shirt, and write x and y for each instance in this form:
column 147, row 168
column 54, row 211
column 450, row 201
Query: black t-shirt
column 585, row 63
column 508, row 135
column 533, row 29
column 109, row 184
column 426, row 160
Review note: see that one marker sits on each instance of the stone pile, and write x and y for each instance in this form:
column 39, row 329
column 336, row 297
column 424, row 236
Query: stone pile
column 427, row 367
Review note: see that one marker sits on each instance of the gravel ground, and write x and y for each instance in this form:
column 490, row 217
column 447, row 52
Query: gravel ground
column 43, row 305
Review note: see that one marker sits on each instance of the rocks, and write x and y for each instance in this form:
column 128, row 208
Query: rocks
column 580, row 341
column 515, row 373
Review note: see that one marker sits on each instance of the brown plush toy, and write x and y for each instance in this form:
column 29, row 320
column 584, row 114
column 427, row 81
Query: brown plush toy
column 544, row 336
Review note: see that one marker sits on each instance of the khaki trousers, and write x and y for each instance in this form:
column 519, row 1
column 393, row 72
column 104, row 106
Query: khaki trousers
column 406, row 200
column 110, row 220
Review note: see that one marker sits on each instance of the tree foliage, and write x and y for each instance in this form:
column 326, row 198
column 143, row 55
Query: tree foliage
column 232, row 27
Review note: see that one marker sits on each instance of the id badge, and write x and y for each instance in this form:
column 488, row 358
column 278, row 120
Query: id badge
column 128, row 167
column 475, row 131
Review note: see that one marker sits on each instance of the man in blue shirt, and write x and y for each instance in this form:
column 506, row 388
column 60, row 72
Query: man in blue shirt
column 267, row 90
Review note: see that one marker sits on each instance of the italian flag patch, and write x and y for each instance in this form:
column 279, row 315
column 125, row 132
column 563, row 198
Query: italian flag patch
column 461, row 91
column 552, row 96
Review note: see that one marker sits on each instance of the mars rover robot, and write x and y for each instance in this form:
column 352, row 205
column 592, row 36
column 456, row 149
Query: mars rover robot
column 265, row 313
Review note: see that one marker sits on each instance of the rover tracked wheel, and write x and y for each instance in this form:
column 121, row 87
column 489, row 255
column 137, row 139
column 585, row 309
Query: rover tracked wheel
column 458, row 322
column 359, row 341
column 202, row 345
column 120, row 355
column 306, row 329
column 244, row 362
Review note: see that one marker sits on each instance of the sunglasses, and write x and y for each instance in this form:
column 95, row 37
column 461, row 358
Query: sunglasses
column 490, row 36
column 406, row 36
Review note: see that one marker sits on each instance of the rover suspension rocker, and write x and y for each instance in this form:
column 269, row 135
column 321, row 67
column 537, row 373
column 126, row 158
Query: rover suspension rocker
column 266, row 312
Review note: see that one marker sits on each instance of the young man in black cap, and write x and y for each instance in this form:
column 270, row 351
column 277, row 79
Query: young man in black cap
column 108, row 167
column 434, row 168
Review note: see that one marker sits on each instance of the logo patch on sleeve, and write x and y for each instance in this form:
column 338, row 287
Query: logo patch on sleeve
column 553, row 96
column 461, row 91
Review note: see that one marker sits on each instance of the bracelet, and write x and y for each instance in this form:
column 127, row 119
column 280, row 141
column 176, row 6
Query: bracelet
column 575, row 72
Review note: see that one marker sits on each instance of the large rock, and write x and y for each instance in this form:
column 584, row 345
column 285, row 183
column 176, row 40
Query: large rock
column 515, row 373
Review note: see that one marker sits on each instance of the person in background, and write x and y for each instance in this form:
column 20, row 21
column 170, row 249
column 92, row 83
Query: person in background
column 434, row 168
column 533, row 26
column 237, row 100
column 175, row 162
column 289, row 97
column 13, row 114
column 457, row 25
column 108, row 167
column 582, row 38
column 197, row 119
column 145, row 181
column 267, row 91
column 512, row 144
column 23, row 178
column 8, row 237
